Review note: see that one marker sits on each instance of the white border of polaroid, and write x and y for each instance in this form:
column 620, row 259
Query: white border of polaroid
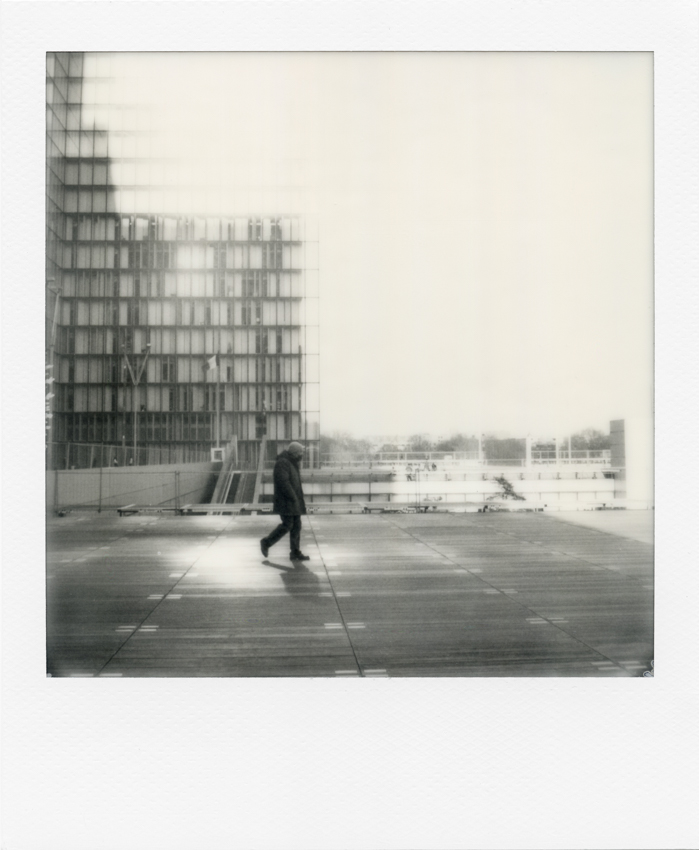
column 439, row 763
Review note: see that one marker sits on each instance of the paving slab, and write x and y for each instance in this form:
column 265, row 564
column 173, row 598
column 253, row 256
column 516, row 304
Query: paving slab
column 395, row 595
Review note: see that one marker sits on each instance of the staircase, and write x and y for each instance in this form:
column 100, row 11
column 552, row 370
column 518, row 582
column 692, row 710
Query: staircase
column 244, row 489
column 225, row 480
column 237, row 488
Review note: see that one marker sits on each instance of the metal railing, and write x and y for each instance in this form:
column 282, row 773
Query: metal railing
column 443, row 460
column 69, row 455
column 363, row 459
column 381, row 476
column 95, row 455
column 584, row 456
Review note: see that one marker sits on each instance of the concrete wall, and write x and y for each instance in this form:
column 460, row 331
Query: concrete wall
column 633, row 453
column 167, row 484
column 639, row 451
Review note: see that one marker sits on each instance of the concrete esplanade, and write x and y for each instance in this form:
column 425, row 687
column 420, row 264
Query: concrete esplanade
column 494, row 594
column 447, row 570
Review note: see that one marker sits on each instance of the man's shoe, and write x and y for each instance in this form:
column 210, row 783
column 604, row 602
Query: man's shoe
column 264, row 547
column 299, row 556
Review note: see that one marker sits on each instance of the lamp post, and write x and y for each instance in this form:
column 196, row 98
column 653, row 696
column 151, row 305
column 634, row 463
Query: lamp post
column 50, row 379
column 57, row 292
column 218, row 402
column 136, row 379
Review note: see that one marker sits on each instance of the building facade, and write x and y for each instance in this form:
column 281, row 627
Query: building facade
column 169, row 333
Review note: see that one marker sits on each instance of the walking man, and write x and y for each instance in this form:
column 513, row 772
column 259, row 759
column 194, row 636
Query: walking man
column 288, row 502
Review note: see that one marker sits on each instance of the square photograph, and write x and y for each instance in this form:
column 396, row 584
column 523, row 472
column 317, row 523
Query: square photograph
column 349, row 364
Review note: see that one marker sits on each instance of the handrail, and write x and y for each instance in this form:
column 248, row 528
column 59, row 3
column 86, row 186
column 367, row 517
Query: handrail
column 225, row 477
column 260, row 469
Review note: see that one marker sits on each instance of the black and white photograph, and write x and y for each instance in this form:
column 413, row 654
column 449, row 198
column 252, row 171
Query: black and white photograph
column 350, row 364
column 349, row 427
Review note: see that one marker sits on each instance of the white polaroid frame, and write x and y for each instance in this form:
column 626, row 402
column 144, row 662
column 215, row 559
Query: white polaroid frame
column 440, row 763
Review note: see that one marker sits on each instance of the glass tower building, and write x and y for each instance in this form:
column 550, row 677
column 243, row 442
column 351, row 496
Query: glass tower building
column 177, row 320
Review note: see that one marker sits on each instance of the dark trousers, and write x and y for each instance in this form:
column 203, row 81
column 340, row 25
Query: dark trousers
column 291, row 524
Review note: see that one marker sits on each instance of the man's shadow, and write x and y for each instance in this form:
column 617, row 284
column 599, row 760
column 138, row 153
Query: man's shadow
column 298, row 579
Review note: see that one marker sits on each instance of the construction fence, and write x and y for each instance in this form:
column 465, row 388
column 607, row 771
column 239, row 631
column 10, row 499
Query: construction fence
column 112, row 487
column 94, row 455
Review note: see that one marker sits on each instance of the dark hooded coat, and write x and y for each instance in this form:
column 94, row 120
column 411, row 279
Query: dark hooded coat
column 288, row 492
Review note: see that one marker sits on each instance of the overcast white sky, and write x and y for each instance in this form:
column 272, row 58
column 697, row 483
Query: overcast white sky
column 485, row 221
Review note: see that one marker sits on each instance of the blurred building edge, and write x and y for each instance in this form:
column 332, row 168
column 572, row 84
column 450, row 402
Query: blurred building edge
column 216, row 316
column 632, row 445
